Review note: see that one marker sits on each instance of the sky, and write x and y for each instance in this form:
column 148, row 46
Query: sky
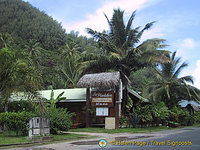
column 177, row 21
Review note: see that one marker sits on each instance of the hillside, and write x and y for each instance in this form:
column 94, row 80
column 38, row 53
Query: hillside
column 24, row 22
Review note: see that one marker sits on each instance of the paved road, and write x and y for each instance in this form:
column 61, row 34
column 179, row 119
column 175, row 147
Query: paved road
column 150, row 141
column 190, row 137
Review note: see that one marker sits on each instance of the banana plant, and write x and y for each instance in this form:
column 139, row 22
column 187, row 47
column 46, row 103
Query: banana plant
column 54, row 101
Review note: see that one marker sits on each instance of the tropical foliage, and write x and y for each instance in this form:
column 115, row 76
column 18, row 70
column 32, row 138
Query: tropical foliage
column 36, row 53
column 168, row 86
column 16, row 121
column 16, row 75
column 35, row 24
column 60, row 119
column 53, row 100
column 118, row 46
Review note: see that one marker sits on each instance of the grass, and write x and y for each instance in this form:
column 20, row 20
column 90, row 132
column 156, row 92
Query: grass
column 195, row 125
column 121, row 130
column 127, row 130
column 13, row 139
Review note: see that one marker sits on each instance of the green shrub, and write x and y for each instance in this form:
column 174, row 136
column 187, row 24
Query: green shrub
column 16, row 121
column 197, row 117
column 60, row 119
column 181, row 116
column 150, row 114
column 19, row 106
column 184, row 117
column 160, row 113
column 145, row 114
column 124, row 121
column 133, row 119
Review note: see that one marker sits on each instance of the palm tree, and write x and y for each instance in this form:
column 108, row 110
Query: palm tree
column 5, row 40
column 70, row 60
column 119, row 46
column 168, row 86
column 33, row 50
column 120, row 49
column 69, row 49
column 16, row 75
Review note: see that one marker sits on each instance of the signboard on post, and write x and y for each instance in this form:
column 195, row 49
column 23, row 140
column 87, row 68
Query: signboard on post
column 102, row 99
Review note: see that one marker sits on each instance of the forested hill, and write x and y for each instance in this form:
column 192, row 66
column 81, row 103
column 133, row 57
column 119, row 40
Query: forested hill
column 24, row 22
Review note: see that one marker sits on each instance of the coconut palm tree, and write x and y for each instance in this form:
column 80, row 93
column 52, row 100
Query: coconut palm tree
column 120, row 49
column 70, row 62
column 33, row 50
column 5, row 40
column 120, row 46
column 168, row 86
column 69, row 49
column 16, row 75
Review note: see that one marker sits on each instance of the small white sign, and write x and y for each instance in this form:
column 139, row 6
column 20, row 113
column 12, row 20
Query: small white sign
column 102, row 111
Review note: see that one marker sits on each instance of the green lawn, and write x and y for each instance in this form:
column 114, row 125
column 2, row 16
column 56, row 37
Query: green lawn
column 126, row 130
column 121, row 130
column 13, row 139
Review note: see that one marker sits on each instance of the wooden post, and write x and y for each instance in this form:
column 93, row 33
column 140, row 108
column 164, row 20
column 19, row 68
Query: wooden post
column 87, row 107
column 117, row 101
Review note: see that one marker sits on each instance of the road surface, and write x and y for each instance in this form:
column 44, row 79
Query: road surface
column 186, row 139
column 177, row 139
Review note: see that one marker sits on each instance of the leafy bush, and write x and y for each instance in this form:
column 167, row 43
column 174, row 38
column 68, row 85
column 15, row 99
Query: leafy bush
column 133, row 119
column 145, row 114
column 124, row 121
column 160, row 113
column 16, row 121
column 184, row 118
column 19, row 106
column 197, row 117
column 181, row 116
column 60, row 119
column 149, row 114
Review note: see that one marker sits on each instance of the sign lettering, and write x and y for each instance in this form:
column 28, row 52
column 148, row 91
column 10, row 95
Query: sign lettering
column 104, row 98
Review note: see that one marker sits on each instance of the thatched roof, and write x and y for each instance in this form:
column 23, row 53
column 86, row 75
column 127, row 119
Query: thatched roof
column 102, row 80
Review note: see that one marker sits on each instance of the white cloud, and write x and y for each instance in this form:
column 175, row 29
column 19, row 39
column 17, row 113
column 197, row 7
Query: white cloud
column 98, row 22
column 196, row 74
column 155, row 32
column 186, row 47
column 188, row 50
column 188, row 43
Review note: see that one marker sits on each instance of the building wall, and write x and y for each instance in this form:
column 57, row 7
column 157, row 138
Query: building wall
column 75, row 107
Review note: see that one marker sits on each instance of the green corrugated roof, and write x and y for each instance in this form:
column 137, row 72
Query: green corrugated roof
column 72, row 95
column 77, row 94
column 137, row 95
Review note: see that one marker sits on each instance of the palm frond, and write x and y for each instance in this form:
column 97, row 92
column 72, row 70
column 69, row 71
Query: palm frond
column 177, row 72
column 129, row 24
column 188, row 79
column 147, row 26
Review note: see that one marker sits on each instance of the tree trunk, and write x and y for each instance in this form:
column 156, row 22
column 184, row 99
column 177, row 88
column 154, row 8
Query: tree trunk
column 125, row 98
column 6, row 103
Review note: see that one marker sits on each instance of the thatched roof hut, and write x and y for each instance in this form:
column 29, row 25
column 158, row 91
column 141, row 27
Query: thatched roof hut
column 102, row 80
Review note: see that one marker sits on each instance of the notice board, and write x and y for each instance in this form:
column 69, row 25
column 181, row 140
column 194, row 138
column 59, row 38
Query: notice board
column 102, row 98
